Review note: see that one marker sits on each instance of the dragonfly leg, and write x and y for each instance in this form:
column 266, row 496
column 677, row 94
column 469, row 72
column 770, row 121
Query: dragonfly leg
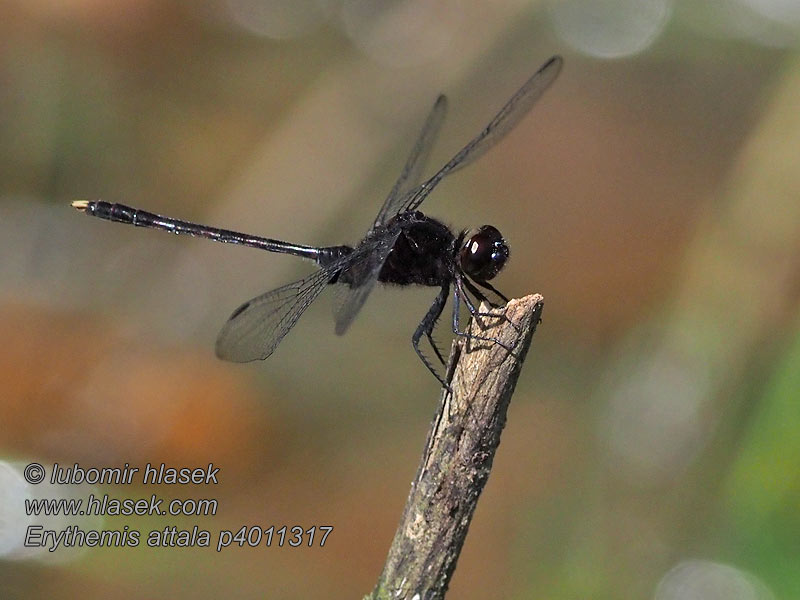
column 478, row 314
column 426, row 328
column 491, row 288
column 459, row 293
column 436, row 350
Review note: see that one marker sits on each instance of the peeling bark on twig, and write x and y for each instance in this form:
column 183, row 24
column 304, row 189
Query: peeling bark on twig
column 461, row 444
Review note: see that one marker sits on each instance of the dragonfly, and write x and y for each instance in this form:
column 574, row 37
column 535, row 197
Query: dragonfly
column 403, row 247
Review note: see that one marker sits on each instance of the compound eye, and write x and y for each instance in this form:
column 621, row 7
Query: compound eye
column 483, row 253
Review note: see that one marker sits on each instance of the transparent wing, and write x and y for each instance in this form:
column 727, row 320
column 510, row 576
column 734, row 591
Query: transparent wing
column 508, row 117
column 362, row 275
column 412, row 172
column 256, row 328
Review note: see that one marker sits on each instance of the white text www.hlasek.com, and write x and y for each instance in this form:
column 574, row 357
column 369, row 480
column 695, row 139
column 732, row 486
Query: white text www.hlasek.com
column 105, row 505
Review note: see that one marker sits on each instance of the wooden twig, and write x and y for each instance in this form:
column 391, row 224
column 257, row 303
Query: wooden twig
column 461, row 444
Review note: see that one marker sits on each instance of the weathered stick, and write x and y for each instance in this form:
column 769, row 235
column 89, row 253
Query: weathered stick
column 464, row 436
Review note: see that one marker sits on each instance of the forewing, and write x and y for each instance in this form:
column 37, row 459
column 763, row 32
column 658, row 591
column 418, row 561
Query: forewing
column 362, row 274
column 412, row 172
column 508, row 117
column 256, row 328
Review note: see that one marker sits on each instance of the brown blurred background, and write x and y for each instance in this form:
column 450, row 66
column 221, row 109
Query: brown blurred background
column 652, row 196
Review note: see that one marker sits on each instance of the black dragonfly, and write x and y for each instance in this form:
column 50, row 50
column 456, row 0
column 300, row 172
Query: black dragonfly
column 402, row 247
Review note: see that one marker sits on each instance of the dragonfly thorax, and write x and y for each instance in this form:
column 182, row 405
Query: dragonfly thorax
column 422, row 254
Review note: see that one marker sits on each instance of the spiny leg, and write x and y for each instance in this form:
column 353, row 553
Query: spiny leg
column 491, row 288
column 436, row 350
column 461, row 283
column 475, row 312
column 426, row 327
column 458, row 294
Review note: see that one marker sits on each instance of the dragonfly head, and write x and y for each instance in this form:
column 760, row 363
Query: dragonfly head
column 483, row 253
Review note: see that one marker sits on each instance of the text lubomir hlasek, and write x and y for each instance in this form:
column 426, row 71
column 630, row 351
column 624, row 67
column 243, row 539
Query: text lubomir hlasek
column 152, row 475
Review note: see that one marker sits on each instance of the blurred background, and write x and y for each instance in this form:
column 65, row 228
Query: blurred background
column 652, row 197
